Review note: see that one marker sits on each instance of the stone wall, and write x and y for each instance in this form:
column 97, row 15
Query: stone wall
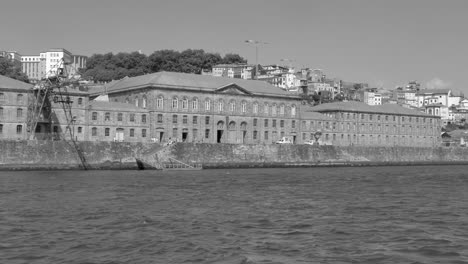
column 125, row 155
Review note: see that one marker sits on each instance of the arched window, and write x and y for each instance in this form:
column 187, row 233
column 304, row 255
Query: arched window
column 293, row 110
column 255, row 108
column 281, row 111
column 160, row 102
column 19, row 113
column 175, row 103
column 185, row 104
column 232, row 106
column 143, row 104
column 195, row 104
column 19, row 99
column 232, row 125
column 244, row 107
column 107, row 116
column 265, row 109
column 94, row 116
column 220, row 105
column 137, row 101
column 273, row 110
column 207, row 105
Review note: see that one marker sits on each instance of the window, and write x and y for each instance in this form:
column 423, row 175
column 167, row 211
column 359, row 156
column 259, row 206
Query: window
column 265, row 109
column 93, row 131
column 220, row 106
column 255, row 122
column 143, row 119
column 19, row 129
column 281, row 123
column 137, row 101
column 160, row 102
column 19, row 99
column 244, row 107
column 194, row 134
column 255, row 133
column 143, row 132
column 143, row 104
column 207, row 133
column 266, row 123
column 273, row 123
column 132, row 132
column 80, row 130
column 255, row 108
column 106, row 132
column 185, row 104
column 207, row 120
column 1, row 128
column 184, row 119
column 175, row 103
column 232, row 106
column 107, row 116
column 174, row 119
column 195, row 104
column 160, row 118
column 1, row 112
column 266, row 134
column 281, row 110
column 362, row 116
column 370, row 117
column 293, row 124
column 119, row 117
column 293, row 110
column 2, row 97
column 19, row 113
column 132, row 117
column 80, row 101
column 273, row 110
column 174, row 133
column 207, row 105
column 195, row 120
column 94, row 116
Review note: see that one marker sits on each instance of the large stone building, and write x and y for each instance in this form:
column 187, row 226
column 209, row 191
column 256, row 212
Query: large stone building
column 167, row 106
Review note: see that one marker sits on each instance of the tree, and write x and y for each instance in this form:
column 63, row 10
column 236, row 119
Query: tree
column 107, row 67
column 12, row 70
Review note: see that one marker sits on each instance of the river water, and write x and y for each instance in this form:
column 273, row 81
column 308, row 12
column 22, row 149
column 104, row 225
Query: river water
column 303, row 215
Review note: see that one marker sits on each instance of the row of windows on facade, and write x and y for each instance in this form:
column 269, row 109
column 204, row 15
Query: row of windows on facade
column 19, row 112
column 175, row 120
column 107, row 117
column 355, row 138
column 19, row 129
column 379, row 117
column 94, row 132
column 363, row 127
column 20, row 99
column 272, row 109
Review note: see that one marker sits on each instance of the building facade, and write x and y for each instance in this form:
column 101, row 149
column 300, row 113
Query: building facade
column 167, row 106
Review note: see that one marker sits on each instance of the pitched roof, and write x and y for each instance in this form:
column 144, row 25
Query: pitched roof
column 198, row 82
column 6, row 82
column 103, row 105
column 353, row 106
column 315, row 116
column 433, row 91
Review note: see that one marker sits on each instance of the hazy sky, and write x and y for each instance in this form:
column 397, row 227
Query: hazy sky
column 384, row 43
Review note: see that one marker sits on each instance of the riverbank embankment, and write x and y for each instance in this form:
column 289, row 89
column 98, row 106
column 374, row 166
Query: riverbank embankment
column 56, row 155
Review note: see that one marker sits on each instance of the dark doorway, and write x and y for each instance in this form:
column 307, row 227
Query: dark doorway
column 219, row 136
column 184, row 136
column 294, row 139
column 161, row 136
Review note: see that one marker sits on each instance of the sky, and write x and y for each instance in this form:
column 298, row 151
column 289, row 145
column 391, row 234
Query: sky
column 381, row 42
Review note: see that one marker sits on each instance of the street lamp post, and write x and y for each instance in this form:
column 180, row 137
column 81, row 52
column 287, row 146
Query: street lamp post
column 256, row 43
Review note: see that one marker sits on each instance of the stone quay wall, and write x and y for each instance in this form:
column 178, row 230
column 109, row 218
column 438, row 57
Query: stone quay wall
column 32, row 155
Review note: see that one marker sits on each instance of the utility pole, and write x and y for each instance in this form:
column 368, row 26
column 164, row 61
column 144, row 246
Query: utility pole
column 256, row 43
